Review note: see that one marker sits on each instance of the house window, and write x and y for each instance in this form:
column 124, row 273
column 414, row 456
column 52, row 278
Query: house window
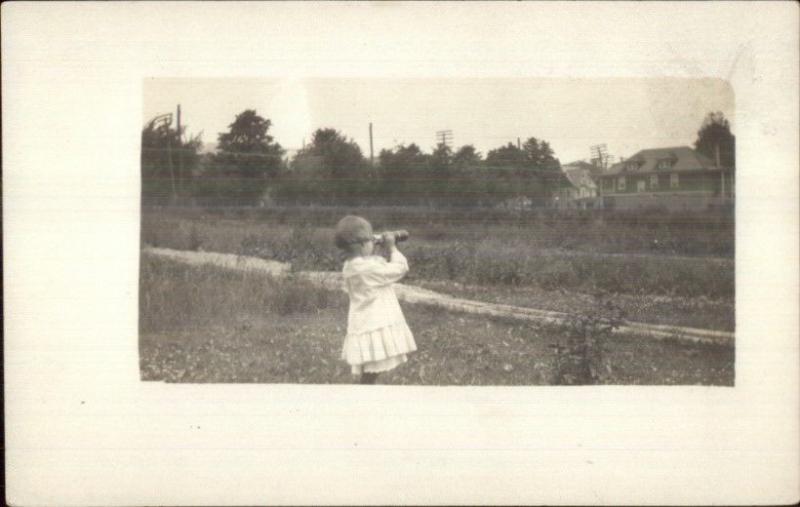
column 641, row 186
column 621, row 183
column 664, row 164
column 632, row 166
column 673, row 180
column 653, row 181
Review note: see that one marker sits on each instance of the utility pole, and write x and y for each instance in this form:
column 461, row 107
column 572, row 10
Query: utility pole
column 519, row 144
column 371, row 157
column 600, row 153
column 165, row 120
column 444, row 137
column 180, row 150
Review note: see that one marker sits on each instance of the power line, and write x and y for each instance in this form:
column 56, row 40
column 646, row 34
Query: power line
column 600, row 154
column 444, row 137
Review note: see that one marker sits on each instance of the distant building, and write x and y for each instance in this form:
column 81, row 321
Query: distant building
column 578, row 189
column 519, row 203
column 677, row 178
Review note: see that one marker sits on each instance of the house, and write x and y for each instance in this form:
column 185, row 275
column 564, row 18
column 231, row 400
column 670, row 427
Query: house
column 677, row 178
column 579, row 186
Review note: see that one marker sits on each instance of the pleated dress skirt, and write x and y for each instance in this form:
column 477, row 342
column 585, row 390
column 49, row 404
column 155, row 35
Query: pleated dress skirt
column 378, row 350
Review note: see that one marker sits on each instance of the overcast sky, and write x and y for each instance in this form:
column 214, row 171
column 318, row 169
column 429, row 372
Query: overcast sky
column 572, row 114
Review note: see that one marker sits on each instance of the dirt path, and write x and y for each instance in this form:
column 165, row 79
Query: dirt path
column 655, row 255
column 419, row 295
column 220, row 259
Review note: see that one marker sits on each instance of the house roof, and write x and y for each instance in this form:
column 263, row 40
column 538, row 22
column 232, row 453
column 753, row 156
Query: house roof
column 580, row 173
column 683, row 159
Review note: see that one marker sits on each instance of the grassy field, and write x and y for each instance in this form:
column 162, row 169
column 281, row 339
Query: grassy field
column 571, row 255
column 541, row 262
column 205, row 324
column 652, row 231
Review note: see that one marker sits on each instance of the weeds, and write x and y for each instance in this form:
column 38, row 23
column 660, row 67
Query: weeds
column 580, row 358
column 209, row 324
column 195, row 240
column 475, row 249
column 174, row 295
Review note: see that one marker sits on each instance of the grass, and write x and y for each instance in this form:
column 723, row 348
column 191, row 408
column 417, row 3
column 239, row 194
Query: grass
column 206, row 324
column 648, row 231
column 575, row 254
column 699, row 312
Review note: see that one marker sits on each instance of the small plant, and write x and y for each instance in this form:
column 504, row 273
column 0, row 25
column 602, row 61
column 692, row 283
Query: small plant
column 253, row 246
column 196, row 240
column 580, row 359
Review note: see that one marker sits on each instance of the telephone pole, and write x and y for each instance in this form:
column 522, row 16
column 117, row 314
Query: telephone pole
column 371, row 157
column 600, row 154
column 444, row 137
column 180, row 150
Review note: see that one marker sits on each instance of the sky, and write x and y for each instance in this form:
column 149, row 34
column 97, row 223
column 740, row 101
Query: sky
column 627, row 115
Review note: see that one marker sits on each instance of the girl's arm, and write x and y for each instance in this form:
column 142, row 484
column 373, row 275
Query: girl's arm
column 385, row 273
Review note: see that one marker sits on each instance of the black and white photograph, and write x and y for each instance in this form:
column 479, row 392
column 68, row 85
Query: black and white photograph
column 438, row 232
column 401, row 253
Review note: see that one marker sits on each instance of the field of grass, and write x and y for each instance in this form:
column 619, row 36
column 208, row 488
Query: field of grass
column 700, row 311
column 651, row 231
column 679, row 257
column 206, row 324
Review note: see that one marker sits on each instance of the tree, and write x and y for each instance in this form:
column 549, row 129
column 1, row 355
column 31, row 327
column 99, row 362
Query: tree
column 505, row 156
column 247, row 149
column 402, row 171
column 441, row 158
column 438, row 188
column 716, row 132
column 338, row 156
column 247, row 158
column 531, row 171
column 333, row 160
column 539, row 155
column 167, row 161
column 466, row 157
column 402, row 159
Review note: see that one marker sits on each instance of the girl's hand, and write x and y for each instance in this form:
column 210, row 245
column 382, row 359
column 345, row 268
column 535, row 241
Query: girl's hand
column 389, row 240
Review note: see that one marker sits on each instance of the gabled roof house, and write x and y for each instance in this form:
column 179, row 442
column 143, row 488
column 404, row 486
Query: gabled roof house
column 674, row 178
column 579, row 186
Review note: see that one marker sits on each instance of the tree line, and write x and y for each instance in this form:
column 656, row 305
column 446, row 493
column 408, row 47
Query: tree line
column 250, row 167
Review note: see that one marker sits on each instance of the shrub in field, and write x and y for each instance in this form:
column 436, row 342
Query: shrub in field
column 196, row 240
column 580, row 357
column 309, row 252
column 553, row 274
column 505, row 269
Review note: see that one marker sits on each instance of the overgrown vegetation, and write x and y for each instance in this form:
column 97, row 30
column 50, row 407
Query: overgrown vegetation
column 539, row 250
column 174, row 296
column 582, row 345
column 207, row 324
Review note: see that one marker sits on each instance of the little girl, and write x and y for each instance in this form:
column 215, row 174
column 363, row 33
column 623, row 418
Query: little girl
column 378, row 337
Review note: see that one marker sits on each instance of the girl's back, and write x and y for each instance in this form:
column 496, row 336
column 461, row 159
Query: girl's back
column 378, row 337
column 373, row 303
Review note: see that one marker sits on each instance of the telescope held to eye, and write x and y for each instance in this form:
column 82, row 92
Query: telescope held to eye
column 399, row 236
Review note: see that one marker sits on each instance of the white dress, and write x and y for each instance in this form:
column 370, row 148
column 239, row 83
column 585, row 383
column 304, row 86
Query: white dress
column 378, row 337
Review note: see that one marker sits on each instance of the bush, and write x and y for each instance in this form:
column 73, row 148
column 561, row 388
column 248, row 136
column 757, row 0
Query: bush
column 580, row 357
